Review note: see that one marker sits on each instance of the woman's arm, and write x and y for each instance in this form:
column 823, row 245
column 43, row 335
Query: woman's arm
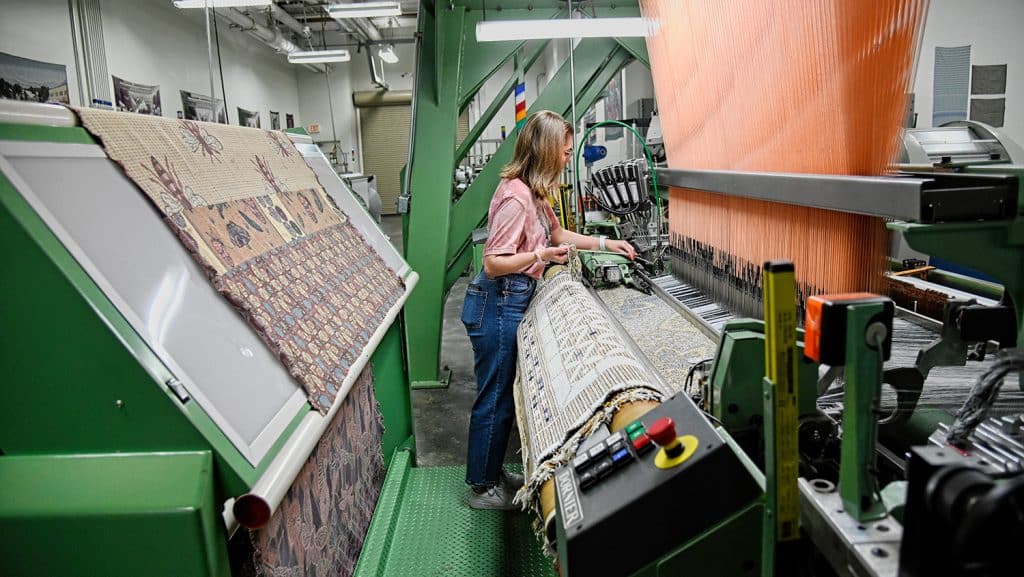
column 496, row 265
column 582, row 241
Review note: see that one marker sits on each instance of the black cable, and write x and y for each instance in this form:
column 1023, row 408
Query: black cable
column 691, row 370
column 713, row 418
column 983, row 395
column 220, row 67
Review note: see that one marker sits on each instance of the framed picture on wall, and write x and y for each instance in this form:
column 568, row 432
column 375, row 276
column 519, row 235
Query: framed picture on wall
column 613, row 108
column 199, row 107
column 135, row 97
column 589, row 119
column 250, row 118
column 275, row 120
column 33, row 80
column 289, row 121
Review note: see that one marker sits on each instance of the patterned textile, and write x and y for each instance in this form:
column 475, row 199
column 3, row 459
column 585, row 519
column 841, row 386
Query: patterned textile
column 575, row 371
column 254, row 216
column 668, row 340
column 319, row 528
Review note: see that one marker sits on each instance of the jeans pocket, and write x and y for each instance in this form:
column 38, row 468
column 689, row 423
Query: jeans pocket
column 519, row 285
column 473, row 308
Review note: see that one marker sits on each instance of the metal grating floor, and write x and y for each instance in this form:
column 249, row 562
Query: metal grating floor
column 437, row 534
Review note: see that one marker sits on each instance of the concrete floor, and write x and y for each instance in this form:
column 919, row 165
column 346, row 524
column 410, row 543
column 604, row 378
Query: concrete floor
column 441, row 416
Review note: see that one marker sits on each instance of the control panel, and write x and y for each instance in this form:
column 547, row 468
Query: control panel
column 643, row 491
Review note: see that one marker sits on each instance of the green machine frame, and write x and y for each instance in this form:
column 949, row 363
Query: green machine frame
column 95, row 448
column 452, row 67
column 993, row 247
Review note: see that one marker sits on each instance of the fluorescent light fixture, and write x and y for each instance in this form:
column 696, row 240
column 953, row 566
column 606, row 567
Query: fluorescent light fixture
column 220, row 3
column 498, row 30
column 365, row 9
column 318, row 56
column 387, row 54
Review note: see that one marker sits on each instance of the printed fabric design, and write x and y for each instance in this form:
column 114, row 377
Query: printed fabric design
column 317, row 301
column 319, row 528
column 253, row 215
column 575, row 370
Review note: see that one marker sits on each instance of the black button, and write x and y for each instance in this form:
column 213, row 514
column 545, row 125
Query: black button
column 604, row 467
column 587, row 480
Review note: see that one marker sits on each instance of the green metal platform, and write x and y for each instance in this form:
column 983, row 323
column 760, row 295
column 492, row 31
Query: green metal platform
column 423, row 526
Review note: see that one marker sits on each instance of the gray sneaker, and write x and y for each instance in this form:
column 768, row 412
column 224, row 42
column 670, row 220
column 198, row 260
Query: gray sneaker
column 498, row 497
column 512, row 481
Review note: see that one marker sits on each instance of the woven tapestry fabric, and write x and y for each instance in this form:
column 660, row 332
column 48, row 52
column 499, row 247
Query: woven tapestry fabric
column 671, row 343
column 572, row 363
column 253, row 215
column 203, row 152
column 319, row 528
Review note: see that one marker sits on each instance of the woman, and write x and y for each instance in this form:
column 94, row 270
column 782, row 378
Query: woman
column 523, row 236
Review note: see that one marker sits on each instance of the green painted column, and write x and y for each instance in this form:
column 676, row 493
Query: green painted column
column 429, row 218
column 392, row 390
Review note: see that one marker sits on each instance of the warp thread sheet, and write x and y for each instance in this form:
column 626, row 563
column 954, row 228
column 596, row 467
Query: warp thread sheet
column 575, row 371
column 319, row 528
column 781, row 86
column 253, row 215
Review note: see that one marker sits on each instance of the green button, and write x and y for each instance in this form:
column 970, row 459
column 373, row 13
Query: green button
column 634, row 426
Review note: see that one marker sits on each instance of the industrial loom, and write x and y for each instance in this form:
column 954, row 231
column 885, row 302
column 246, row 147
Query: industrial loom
column 856, row 420
column 191, row 389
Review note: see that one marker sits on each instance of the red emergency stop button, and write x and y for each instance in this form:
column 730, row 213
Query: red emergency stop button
column 662, row 431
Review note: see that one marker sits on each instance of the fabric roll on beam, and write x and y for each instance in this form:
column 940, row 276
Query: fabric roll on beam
column 576, row 371
column 319, row 528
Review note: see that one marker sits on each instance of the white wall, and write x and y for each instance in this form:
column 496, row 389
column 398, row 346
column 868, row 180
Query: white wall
column 40, row 30
column 637, row 84
column 151, row 42
column 346, row 78
column 506, row 114
column 993, row 30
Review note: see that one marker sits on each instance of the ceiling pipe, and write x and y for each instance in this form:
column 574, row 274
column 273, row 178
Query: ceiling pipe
column 368, row 29
column 272, row 38
column 288, row 20
column 341, row 44
column 331, row 25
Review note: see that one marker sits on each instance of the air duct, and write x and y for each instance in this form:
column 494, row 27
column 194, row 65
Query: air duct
column 272, row 38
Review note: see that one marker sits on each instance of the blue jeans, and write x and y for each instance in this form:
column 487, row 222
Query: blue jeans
column 492, row 312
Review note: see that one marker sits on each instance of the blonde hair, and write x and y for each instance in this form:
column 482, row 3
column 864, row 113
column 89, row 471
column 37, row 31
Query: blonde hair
column 537, row 159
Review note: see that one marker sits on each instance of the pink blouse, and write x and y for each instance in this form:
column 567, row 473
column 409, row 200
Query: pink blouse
column 519, row 223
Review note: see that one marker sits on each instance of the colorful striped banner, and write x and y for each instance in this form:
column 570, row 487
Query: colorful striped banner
column 520, row 103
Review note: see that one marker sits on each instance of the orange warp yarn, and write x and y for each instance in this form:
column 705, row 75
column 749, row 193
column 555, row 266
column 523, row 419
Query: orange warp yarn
column 812, row 86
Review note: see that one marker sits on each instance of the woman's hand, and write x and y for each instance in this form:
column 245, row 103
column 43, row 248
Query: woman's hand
column 622, row 247
column 555, row 254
